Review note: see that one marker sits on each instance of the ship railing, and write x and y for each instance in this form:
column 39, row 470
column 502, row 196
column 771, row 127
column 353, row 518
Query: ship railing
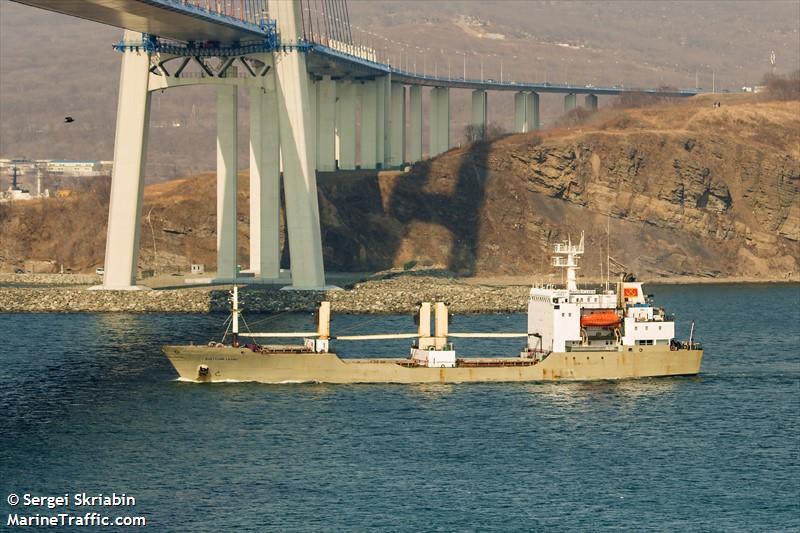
column 603, row 348
column 685, row 345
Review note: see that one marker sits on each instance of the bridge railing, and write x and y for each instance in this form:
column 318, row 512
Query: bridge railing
column 252, row 11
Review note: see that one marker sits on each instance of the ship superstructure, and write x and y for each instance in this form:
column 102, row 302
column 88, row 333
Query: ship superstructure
column 570, row 319
column 572, row 334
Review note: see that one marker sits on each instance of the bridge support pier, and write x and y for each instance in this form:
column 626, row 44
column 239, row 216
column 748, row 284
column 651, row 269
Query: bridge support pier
column 532, row 111
column 369, row 124
column 433, row 123
column 397, row 136
column 591, row 101
column 264, row 184
column 415, row 124
column 440, row 121
column 347, row 125
column 381, row 119
column 312, row 99
column 444, row 119
column 299, row 178
column 227, row 186
column 479, row 101
column 570, row 102
column 127, row 178
column 520, row 112
column 326, row 124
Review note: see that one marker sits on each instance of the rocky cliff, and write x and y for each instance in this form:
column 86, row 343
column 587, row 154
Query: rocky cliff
column 682, row 190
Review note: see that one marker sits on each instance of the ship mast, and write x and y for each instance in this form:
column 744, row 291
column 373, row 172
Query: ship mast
column 567, row 257
column 235, row 315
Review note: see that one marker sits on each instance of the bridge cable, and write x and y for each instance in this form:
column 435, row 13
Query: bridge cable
column 349, row 26
column 325, row 19
column 334, row 20
column 302, row 20
column 320, row 25
column 310, row 19
column 339, row 20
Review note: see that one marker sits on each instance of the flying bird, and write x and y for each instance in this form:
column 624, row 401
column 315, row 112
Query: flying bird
column 69, row 119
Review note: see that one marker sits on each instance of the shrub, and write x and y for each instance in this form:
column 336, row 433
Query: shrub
column 786, row 87
column 487, row 132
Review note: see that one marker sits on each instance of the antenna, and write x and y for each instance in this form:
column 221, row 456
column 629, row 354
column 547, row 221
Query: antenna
column 601, row 265
column 608, row 250
column 567, row 258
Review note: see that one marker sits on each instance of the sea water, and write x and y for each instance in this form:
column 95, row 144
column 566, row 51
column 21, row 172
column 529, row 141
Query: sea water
column 88, row 404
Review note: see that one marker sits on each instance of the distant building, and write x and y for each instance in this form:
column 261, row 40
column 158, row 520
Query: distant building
column 61, row 167
column 24, row 166
column 15, row 195
column 74, row 168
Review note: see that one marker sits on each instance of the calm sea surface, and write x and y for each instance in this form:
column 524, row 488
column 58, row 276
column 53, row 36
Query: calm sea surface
column 89, row 404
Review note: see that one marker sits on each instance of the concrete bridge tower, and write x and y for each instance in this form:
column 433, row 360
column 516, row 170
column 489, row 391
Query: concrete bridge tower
column 281, row 129
column 296, row 139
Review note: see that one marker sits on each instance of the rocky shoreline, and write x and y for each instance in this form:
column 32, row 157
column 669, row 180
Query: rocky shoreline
column 392, row 294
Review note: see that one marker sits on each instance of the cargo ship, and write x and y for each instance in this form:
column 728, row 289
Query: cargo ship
column 572, row 334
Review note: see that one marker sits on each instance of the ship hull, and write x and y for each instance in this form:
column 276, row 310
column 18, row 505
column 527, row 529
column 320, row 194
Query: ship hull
column 239, row 364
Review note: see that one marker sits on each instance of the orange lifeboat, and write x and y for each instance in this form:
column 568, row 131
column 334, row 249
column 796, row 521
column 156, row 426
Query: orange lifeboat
column 601, row 318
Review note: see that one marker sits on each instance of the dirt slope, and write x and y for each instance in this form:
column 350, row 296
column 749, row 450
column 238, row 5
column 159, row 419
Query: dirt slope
column 687, row 189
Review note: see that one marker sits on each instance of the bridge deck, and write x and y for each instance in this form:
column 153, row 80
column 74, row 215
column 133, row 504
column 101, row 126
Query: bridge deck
column 323, row 60
column 166, row 18
column 183, row 21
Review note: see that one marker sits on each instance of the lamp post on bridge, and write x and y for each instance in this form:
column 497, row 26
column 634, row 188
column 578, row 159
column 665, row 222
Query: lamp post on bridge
column 464, row 54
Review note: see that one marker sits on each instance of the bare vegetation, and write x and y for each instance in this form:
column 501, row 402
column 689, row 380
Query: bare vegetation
column 487, row 132
column 574, row 117
column 643, row 99
column 785, row 87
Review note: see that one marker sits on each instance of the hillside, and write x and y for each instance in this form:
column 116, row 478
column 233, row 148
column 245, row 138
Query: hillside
column 52, row 65
column 687, row 190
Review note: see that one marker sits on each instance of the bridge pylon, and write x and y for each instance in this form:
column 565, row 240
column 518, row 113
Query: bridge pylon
column 281, row 133
column 299, row 160
column 127, row 179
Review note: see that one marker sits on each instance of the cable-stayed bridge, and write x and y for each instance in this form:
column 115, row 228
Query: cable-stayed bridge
column 309, row 75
